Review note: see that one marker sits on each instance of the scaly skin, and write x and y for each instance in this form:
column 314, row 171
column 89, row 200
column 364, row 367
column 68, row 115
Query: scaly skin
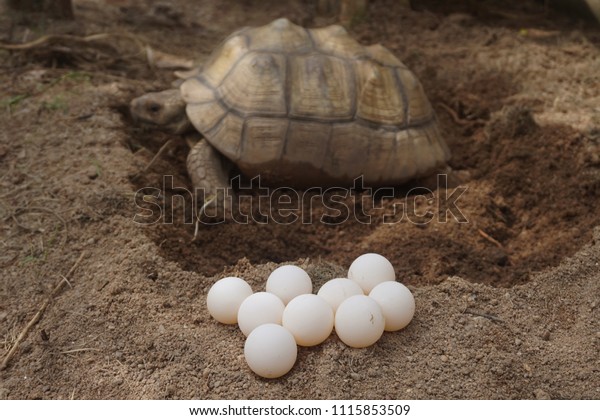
column 206, row 167
column 164, row 109
column 210, row 174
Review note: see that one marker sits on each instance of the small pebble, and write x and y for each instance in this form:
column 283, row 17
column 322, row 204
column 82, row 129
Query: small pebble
column 355, row 376
column 444, row 358
column 91, row 172
column 518, row 342
column 540, row 394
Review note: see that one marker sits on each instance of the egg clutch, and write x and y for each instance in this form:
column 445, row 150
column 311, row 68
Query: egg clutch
column 360, row 308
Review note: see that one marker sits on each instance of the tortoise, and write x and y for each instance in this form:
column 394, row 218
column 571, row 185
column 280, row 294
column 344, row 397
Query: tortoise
column 301, row 107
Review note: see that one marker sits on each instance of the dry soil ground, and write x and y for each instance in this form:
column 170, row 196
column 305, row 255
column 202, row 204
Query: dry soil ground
column 507, row 303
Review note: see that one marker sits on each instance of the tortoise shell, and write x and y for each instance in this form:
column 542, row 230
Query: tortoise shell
column 314, row 107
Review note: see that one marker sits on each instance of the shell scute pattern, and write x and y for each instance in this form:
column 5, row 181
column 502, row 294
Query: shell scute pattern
column 298, row 105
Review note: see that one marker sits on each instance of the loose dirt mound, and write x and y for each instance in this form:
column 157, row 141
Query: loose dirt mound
column 507, row 295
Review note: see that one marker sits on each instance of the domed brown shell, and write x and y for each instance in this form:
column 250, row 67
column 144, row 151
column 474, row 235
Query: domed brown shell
column 314, row 107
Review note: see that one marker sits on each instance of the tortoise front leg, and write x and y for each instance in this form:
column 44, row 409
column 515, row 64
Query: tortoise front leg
column 209, row 172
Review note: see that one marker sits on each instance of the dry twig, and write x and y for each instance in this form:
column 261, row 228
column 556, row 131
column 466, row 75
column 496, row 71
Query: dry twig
column 79, row 350
column 23, row 210
column 39, row 313
column 208, row 201
column 488, row 316
column 57, row 39
column 490, row 239
column 155, row 158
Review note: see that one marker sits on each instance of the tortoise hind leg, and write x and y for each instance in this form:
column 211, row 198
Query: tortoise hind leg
column 209, row 172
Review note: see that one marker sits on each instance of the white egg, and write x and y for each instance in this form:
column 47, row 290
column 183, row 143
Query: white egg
column 225, row 297
column 369, row 270
column 397, row 304
column 257, row 309
column 336, row 291
column 359, row 321
column 270, row 351
column 309, row 318
column 289, row 281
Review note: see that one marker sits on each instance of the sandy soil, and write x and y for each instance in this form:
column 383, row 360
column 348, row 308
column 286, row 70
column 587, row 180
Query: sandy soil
column 507, row 303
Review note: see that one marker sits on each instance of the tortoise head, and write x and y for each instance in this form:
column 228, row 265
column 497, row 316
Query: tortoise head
column 165, row 109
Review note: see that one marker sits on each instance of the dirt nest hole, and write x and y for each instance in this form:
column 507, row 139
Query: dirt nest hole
column 519, row 208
